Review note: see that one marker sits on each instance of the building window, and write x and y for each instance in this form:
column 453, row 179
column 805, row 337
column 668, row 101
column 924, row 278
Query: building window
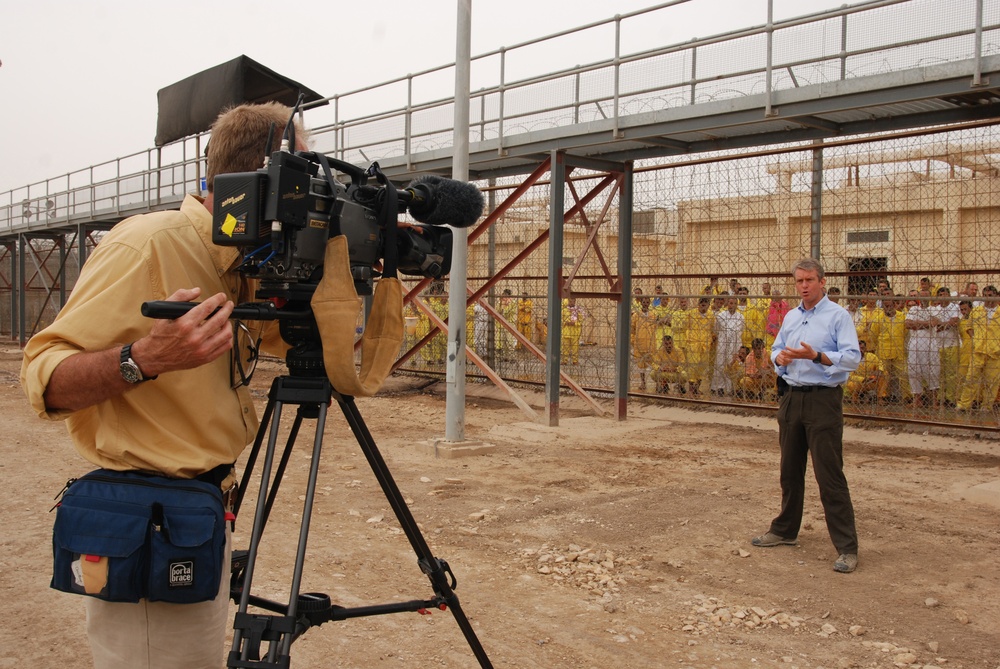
column 867, row 236
column 643, row 222
column 869, row 270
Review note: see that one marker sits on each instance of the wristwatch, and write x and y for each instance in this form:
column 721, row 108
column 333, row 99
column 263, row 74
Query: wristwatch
column 129, row 369
column 818, row 359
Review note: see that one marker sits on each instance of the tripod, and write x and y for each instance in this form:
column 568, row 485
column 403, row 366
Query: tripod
column 313, row 395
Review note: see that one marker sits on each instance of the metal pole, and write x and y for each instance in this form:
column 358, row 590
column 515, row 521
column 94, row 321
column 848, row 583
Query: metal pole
column 16, row 293
column 408, row 125
column 22, row 307
column 768, row 71
column 618, row 66
column 197, row 167
column 61, row 276
column 843, row 46
column 816, row 203
column 553, row 347
column 81, row 238
column 622, row 339
column 501, row 89
column 491, row 269
column 455, row 398
column 977, row 77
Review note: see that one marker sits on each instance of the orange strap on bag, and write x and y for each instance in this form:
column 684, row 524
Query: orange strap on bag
column 336, row 307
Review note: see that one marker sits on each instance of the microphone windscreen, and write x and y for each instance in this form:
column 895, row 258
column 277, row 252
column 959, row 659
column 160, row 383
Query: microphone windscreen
column 446, row 201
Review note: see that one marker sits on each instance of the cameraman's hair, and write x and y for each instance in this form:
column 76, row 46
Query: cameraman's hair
column 809, row 265
column 239, row 135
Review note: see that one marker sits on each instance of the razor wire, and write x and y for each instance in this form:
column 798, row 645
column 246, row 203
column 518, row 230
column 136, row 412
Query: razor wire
column 713, row 240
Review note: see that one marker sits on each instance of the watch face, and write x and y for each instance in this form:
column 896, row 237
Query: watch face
column 130, row 372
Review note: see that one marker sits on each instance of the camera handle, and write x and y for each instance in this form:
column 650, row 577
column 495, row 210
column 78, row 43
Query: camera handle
column 304, row 610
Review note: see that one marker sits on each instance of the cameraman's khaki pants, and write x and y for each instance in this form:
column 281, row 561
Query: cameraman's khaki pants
column 159, row 635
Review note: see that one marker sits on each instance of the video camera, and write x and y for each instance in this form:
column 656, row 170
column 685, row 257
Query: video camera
column 283, row 215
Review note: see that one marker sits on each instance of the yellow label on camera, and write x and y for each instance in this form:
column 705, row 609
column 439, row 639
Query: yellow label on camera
column 229, row 225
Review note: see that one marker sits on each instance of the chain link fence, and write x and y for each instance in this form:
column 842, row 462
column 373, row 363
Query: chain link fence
column 905, row 225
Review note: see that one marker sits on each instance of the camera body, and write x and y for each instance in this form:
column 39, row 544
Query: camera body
column 283, row 215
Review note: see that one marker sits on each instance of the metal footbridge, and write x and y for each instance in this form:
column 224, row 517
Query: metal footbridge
column 860, row 68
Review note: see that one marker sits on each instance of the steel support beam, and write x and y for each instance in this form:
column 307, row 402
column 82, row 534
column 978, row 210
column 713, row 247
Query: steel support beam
column 553, row 345
column 622, row 339
column 10, row 252
column 816, row 202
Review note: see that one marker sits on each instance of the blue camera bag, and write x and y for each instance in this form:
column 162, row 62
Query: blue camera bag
column 126, row 536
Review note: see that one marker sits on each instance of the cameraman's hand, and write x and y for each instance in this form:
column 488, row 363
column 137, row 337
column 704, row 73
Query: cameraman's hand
column 90, row 377
column 196, row 338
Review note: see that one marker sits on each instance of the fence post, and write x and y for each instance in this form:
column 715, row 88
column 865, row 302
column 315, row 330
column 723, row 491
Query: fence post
column 553, row 347
column 770, row 58
column 408, row 122
column 843, row 46
column 694, row 73
column 624, row 316
column 617, row 133
column 576, row 97
column 816, row 201
column 977, row 77
column 501, row 91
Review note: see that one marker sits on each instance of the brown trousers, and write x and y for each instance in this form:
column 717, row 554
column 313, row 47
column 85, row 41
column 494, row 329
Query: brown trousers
column 812, row 423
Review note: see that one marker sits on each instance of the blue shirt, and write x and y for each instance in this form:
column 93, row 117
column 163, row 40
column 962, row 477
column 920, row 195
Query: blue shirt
column 829, row 329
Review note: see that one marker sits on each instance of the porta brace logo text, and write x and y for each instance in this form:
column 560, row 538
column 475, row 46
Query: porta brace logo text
column 181, row 574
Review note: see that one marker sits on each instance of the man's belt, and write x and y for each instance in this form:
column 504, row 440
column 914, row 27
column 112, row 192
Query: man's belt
column 809, row 389
column 216, row 475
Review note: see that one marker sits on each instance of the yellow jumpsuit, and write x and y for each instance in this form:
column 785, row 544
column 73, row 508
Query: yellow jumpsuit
column 887, row 340
column 572, row 330
column 438, row 345
column 525, row 307
column 701, row 327
column 983, row 376
column 754, row 323
column 869, row 316
column 643, row 342
column 964, row 353
column 667, row 369
column 503, row 339
column 868, row 377
column 680, row 320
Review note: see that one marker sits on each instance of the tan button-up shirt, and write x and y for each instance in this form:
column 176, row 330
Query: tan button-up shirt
column 182, row 423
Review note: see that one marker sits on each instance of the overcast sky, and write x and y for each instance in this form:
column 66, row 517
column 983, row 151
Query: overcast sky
column 78, row 80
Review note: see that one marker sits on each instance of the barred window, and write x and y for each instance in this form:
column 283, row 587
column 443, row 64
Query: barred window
column 867, row 236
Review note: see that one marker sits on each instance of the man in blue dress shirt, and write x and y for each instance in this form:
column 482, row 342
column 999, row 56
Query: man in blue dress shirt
column 814, row 353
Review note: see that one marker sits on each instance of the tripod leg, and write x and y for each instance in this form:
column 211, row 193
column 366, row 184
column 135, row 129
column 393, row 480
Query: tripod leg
column 255, row 451
column 436, row 570
column 282, row 465
column 313, row 397
column 245, row 650
column 300, row 556
column 250, row 631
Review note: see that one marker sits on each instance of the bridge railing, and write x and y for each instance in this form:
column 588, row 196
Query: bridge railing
column 628, row 73
column 105, row 191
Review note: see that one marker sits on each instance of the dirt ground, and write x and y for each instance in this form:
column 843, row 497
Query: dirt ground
column 594, row 544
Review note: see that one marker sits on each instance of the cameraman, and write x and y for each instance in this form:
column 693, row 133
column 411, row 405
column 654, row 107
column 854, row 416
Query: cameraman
column 160, row 396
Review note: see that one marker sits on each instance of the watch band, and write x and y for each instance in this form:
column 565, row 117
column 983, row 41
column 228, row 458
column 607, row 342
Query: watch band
column 818, row 359
column 129, row 368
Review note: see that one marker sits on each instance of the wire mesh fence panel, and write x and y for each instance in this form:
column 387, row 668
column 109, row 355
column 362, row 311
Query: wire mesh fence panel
column 905, row 226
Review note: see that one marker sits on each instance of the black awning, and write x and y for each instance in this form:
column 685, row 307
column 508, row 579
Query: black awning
column 191, row 105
